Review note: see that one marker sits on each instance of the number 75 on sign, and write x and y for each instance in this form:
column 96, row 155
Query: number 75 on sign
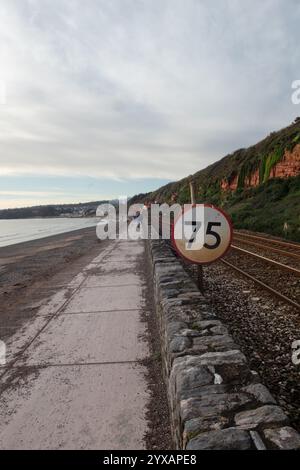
column 202, row 233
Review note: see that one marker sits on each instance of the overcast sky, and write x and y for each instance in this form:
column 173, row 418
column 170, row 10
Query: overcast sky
column 111, row 97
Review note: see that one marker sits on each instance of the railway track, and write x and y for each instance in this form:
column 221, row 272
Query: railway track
column 265, row 286
column 268, row 242
column 257, row 267
column 267, row 260
column 276, row 276
column 287, row 254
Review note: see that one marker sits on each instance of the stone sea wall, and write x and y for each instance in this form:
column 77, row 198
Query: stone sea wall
column 216, row 401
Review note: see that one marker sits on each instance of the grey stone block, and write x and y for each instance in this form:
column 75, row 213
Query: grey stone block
column 191, row 333
column 179, row 344
column 219, row 330
column 220, row 358
column 212, row 405
column 203, row 325
column 170, row 302
column 260, row 393
column 257, row 440
column 203, row 390
column 268, row 414
column 230, row 365
column 191, row 378
column 174, row 328
column 196, row 426
column 191, row 295
column 225, row 439
column 213, row 343
column 284, row 438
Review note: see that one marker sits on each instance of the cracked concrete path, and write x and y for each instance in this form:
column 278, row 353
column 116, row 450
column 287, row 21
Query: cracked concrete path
column 73, row 378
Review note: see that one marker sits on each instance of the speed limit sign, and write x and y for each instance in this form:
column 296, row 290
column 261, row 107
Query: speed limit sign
column 202, row 233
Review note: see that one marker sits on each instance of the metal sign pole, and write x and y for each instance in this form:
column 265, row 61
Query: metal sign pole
column 199, row 267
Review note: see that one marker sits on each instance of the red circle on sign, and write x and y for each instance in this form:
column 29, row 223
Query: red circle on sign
column 211, row 206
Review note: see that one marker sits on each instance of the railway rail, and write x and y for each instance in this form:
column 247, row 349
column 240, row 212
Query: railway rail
column 265, row 286
column 257, row 242
column 270, row 240
column 288, row 254
column 262, row 266
column 267, row 260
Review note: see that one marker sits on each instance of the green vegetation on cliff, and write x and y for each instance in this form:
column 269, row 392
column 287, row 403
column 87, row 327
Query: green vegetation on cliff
column 272, row 207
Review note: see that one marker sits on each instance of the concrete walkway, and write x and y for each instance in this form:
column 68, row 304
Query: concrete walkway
column 73, row 378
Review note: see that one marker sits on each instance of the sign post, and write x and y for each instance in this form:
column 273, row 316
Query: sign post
column 200, row 275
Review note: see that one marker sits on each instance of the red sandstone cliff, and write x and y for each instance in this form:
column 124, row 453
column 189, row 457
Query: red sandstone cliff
column 288, row 166
column 229, row 184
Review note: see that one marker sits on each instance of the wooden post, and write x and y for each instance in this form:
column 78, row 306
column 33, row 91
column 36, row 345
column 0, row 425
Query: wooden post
column 199, row 267
column 192, row 191
column 200, row 277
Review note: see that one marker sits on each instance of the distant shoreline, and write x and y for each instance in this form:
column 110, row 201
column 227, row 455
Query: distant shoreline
column 15, row 231
column 43, row 240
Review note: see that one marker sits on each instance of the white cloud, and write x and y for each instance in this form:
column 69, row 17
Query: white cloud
column 140, row 88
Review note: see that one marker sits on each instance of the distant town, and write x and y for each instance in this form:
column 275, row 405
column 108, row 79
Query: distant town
column 86, row 209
